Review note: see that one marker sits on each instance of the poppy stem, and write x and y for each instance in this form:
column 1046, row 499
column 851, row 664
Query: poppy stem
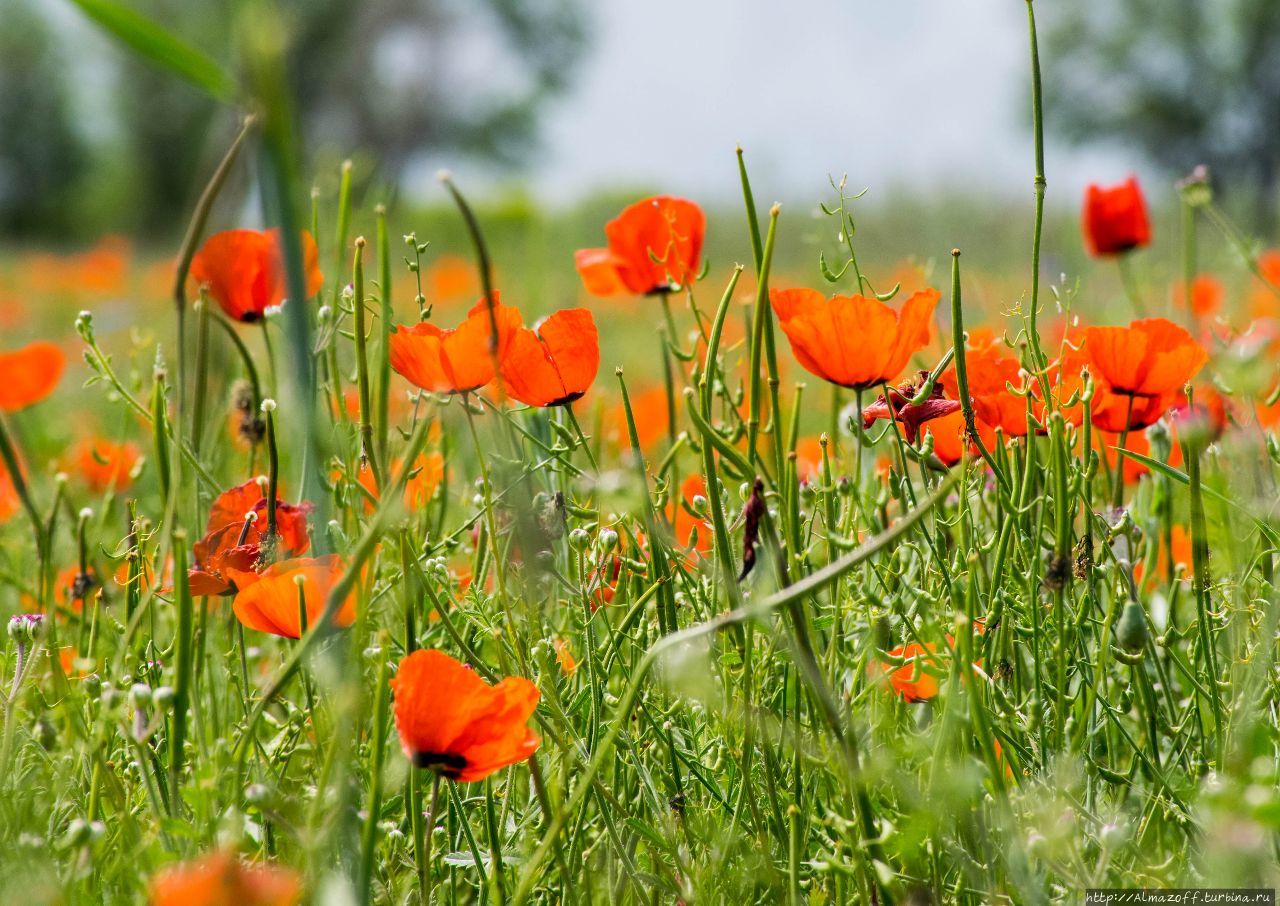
column 200, row 403
column 1130, row 285
column 183, row 658
column 382, row 419
column 491, row 519
column 757, row 344
column 1117, row 489
column 273, row 468
column 582, row 438
column 377, row 756
column 1037, row 121
column 367, row 451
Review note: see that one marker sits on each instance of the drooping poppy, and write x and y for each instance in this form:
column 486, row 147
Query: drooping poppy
column 1115, row 218
column 222, row 879
column 1151, row 357
column 457, row 360
column 654, row 246
column 903, row 406
column 244, row 271
column 454, row 723
column 555, row 362
column 853, row 341
column 106, row 464
column 29, row 374
column 233, row 543
column 271, row 603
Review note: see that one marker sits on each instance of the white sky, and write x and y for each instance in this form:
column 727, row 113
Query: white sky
column 925, row 92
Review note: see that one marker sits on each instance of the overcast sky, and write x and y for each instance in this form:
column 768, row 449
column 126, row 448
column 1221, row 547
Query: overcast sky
column 889, row 91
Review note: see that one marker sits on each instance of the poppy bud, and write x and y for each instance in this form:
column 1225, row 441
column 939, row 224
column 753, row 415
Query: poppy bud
column 1131, row 629
column 699, row 504
column 1115, row 218
column 608, row 540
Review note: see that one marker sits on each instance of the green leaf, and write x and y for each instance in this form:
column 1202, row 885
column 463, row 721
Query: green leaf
column 166, row 50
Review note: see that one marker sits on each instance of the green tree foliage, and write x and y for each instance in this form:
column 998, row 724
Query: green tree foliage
column 42, row 157
column 1189, row 81
column 392, row 78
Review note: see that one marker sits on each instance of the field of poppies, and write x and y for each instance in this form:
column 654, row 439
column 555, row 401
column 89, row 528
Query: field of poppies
column 336, row 572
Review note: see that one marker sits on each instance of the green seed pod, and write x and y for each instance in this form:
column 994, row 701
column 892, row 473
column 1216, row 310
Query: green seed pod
column 1131, row 629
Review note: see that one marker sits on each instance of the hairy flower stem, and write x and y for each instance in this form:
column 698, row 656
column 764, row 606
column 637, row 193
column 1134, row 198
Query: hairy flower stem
column 382, row 419
column 1037, row 124
column 758, row 329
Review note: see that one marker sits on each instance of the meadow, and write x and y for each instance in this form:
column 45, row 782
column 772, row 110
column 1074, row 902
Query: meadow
column 639, row 553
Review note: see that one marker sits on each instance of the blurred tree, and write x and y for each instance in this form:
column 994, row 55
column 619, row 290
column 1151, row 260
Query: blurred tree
column 42, row 159
column 1190, row 81
column 393, row 78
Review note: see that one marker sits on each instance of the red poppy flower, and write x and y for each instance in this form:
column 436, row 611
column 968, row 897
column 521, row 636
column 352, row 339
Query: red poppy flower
column 903, row 407
column 556, row 362
column 221, row 879
column 651, row 415
column 1149, row 358
column 1115, row 218
column 853, row 341
column 1116, row 412
column 654, row 246
column 1135, row 442
column 990, row 370
column 271, row 604
column 29, row 374
column 453, row 722
column 106, row 464
column 244, row 271
column 458, row 360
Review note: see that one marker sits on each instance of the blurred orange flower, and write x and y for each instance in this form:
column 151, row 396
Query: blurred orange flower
column 29, row 374
column 1207, row 294
column 454, row 723
column 106, row 464
column 654, row 246
column 221, row 879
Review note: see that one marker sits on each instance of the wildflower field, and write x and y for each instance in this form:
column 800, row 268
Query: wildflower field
column 340, row 566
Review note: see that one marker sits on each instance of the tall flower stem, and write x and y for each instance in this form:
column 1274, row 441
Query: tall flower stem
column 1041, row 184
column 367, row 449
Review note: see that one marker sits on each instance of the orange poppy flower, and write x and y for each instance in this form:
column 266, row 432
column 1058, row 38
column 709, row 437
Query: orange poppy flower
column 1179, row 547
column 556, row 362
column 453, row 722
column 1136, row 442
column 418, row 490
column 1262, row 298
column 74, row 587
column 684, row 523
column 221, row 879
column 1151, row 357
column 990, row 370
column 911, row 681
column 245, row 273
column 451, row 278
column 8, row 497
column 652, row 418
column 458, row 360
column 853, row 341
column 1115, row 218
column 948, row 434
column 29, row 374
column 654, row 247
column 564, row 657
column 271, row 603
column 106, row 464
